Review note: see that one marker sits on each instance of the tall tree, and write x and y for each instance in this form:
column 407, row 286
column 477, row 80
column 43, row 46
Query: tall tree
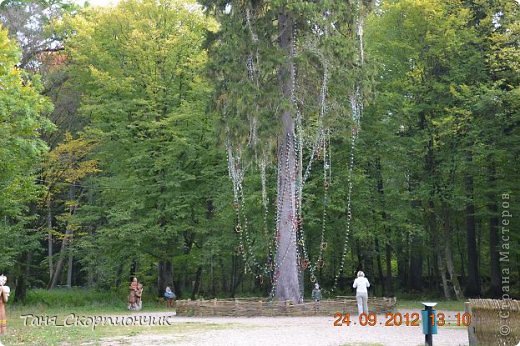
column 66, row 166
column 22, row 120
column 144, row 94
column 426, row 93
column 273, row 63
column 28, row 22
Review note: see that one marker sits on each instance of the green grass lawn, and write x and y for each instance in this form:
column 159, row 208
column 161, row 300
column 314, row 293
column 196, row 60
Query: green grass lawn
column 443, row 305
column 31, row 331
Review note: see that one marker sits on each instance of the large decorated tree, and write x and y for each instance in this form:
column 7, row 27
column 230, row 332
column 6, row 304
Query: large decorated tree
column 288, row 73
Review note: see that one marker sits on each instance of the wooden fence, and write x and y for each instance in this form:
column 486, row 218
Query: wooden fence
column 494, row 322
column 262, row 307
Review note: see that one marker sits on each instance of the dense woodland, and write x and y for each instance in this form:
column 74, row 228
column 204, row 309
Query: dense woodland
column 152, row 138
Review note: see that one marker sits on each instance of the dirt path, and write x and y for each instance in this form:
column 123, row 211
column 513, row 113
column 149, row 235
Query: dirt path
column 286, row 331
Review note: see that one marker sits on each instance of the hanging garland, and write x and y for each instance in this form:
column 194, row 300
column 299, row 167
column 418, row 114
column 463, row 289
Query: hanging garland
column 320, row 147
column 319, row 144
column 356, row 103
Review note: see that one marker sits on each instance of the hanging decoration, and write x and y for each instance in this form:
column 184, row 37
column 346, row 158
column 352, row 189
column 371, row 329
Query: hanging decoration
column 320, row 149
column 356, row 104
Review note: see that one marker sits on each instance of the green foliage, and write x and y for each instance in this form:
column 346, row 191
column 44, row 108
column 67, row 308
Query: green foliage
column 20, row 111
column 22, row 121
column 147, row 92
column 143, row 89
column 438, row 99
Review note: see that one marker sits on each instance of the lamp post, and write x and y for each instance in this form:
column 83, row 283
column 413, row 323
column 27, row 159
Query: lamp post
column 429, row 322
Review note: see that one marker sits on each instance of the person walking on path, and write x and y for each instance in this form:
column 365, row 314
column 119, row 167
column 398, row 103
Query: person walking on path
column 361, row 285
column 316, row 296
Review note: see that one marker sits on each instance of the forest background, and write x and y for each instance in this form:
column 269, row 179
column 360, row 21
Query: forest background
column 117, row 126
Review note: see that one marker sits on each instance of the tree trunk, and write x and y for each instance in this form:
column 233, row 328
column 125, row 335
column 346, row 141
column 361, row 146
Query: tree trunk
column 416, row 264
column 473, row 282
column 430, row 168
column 494, row 260
column 448, row 254
column 437, row 248
column 21, row 280
column 66, row 240
column 451, row 271
column 239, row 275
column 212, row 276
column 233, row 275
column 61, row 260
column 69, row 270
column 442, row 272
column 286, row 272
column 164, row 277
column 133, row 267
column 461, row 252
column 177, row 288
column 389, row 285
column 196, row 284
column 49, row 237
column 380, row 267
column 119, row 273
column 402, row 263
column 224, row 284
column 20, row 289
column 433, row 271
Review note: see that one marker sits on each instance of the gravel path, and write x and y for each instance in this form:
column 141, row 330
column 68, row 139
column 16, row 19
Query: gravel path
column 288, row 331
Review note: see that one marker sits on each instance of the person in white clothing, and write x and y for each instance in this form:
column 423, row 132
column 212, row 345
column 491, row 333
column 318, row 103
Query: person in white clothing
column 361, row 284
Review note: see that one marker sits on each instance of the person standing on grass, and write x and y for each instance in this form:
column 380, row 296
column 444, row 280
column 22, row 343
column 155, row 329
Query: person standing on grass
column 169, row 296
column 361, row 285
column 316, row 293
column 134, row 298
column 4, row 296
column 316, row 296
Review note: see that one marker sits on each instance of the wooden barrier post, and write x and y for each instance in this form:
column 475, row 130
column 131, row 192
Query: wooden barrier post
column 471, row 328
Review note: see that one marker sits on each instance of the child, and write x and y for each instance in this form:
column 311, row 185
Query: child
column 316, row 296
column 316, row 293
column 169, row 296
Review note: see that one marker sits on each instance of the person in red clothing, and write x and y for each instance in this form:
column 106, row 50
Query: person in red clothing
column 134, row 298
column 4, row 297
